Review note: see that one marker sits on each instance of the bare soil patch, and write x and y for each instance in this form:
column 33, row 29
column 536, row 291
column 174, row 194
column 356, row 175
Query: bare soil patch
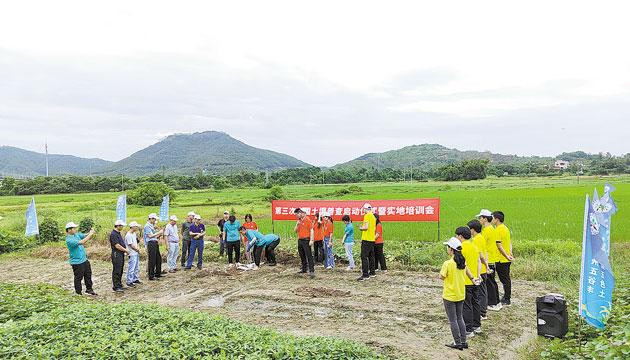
column 399, row 313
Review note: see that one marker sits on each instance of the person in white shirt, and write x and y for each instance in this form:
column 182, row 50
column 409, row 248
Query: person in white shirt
column 172, row 243
column 131, row 239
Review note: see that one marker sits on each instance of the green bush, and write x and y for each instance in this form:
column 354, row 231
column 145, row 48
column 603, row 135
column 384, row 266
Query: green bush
column 275, row 193
column 49, row 231
column 150, row 194
column 12, row 242
column 44, row 322
column 88, row 223
column 220, row 183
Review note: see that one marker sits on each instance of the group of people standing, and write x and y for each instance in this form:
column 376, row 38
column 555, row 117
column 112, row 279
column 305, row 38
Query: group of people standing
column 315, row 242
column 192, row 232
column 477, row 252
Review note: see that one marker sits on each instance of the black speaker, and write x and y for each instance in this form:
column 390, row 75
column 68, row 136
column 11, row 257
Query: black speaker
column 553, row 319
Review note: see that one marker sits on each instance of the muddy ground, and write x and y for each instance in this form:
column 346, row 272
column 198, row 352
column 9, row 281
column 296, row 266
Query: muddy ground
column 399, row 313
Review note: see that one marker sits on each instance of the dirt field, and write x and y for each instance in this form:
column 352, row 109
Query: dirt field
column 399, row 313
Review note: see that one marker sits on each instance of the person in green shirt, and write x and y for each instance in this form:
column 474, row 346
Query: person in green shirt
column 81, row 268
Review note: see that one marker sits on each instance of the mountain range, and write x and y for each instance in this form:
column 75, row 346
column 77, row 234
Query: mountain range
column 218, row 153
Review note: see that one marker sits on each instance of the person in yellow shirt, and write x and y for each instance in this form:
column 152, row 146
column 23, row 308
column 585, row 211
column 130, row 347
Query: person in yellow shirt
column 505, row 256
column 490, row 234
column 454, row 273
column 368, row 236
column 480, row 242
column 472, row 314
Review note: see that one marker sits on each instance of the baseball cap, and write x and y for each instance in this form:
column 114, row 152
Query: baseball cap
column 173, row 217
column 226, row 212
column 484, row 212
column 367, row 206
column 453, row 243
column 134, row 224
column 197, row 217
column 119, row 223
column 152, row 216
column 192, row 213
column 71, row 225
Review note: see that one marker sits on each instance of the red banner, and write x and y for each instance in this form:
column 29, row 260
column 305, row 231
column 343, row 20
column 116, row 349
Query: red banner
column 388, row 210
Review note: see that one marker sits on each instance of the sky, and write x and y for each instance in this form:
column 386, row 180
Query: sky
column 324, row 81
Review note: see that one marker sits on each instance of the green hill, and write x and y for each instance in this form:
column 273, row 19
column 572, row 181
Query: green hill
column 210, row 151
column 24, row 163
column 428, row 156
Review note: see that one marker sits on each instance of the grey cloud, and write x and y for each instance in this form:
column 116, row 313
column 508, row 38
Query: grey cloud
column 112, row 107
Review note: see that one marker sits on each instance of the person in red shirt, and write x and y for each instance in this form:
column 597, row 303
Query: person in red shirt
column 318, row 238
column 379, row 255
column 304, row 230
column 249, row 224
column 329, row 229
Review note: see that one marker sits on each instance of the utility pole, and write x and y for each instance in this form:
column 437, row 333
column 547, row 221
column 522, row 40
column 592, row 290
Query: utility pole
column 46, row 147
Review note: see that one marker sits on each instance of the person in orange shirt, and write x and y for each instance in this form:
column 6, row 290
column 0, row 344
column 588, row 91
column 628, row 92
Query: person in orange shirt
column 379, row 255
column 304, row 229
column 318, row 238
column 249, row 224
column 329, row 229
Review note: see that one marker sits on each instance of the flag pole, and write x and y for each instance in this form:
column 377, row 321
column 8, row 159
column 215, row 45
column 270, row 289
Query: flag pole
column 584, row 229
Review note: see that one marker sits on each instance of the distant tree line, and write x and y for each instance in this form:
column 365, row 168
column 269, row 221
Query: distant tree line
column 602, row 164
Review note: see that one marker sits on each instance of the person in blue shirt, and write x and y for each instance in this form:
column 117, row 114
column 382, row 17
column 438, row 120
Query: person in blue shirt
column 348, row 240
column 81, row 268
column 260, row 242
column 232, row 240
column 197, row 232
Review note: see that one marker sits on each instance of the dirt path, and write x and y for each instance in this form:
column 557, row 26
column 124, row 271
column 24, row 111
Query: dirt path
column 399, row 313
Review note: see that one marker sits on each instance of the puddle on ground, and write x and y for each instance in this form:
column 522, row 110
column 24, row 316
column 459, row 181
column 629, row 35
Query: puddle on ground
column 215, row 301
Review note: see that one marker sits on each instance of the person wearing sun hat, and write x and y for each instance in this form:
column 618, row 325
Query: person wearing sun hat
column 119, row 249
column 81, row 267
column 197, row 232
column 150, row 237
column 186, row 237
column 133, row 269
column 490, row 234
column 368, row 236
column 454, row 273
column 172, row 243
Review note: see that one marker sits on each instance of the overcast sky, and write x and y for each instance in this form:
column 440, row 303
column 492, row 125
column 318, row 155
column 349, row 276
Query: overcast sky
column 324, row 81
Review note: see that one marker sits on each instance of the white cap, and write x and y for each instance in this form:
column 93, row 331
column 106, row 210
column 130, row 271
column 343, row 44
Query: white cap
column 119, row 223
column 173, row 217
column 367, row 206
column 484, row 212
column 71, row 225
column 226, row 212
column 152, row 216
column 134, row 224
column 453, row 243
column 192, row 213
column 197, row 217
